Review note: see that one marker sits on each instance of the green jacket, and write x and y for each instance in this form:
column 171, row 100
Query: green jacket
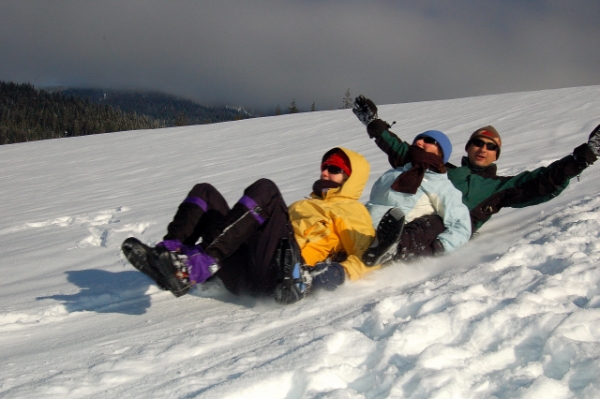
column 484, row 192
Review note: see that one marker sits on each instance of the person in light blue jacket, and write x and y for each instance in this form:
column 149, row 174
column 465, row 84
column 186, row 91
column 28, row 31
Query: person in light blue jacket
column 422, row 191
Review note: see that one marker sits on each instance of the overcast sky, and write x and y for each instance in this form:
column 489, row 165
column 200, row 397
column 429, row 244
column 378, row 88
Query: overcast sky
column 261, row 53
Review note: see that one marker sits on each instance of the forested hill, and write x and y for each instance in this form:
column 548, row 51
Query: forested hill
column 173, row 110
column 28, row 114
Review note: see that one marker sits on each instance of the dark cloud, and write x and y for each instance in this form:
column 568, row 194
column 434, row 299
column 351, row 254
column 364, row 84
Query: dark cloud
column 262, row 53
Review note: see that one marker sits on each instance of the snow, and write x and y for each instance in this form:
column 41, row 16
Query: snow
column 513, row 314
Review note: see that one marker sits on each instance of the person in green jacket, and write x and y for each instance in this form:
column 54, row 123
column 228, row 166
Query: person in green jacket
column 483, row 191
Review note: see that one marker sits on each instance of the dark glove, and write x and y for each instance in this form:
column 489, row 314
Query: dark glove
column 375, row 128
column 327, row 275
column 587, row 153
column 594, row 141
column 584, row 155
column 364, row 109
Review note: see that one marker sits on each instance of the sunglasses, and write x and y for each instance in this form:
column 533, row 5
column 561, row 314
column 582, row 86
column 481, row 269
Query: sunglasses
column 480, row 143
column 427, row 140
column 333, row 170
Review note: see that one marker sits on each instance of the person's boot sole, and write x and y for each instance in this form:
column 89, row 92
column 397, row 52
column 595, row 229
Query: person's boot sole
column 143, row 258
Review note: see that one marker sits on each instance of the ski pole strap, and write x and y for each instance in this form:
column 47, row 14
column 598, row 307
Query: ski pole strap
column 197, row 201
column 253, row 208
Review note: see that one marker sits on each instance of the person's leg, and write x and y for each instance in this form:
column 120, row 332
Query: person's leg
column 204, row 214
column 202, row 208
column 255, row 225
column 238, row 246
column 181, row 262
column 418, row 238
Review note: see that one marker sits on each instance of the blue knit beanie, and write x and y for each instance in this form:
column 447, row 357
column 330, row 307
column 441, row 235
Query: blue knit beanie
column 441, row 139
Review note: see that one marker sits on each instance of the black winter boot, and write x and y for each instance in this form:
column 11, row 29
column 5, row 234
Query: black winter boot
column 145, row 259
column 294, row 280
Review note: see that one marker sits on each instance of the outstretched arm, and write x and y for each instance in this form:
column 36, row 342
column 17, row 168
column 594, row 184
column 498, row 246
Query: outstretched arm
column 545, row 183
column 366, row 112
column 532, row 187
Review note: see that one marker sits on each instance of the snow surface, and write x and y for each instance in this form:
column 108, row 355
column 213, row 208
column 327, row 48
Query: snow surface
column 513, row 314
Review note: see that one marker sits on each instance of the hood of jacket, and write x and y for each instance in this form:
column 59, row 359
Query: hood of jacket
column 354, row 186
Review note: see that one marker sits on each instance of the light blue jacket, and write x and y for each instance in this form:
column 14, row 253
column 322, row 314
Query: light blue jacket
column 436, row 195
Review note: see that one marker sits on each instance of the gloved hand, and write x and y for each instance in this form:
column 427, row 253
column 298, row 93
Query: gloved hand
column 327, row 275
column 594, row 141
column 588, row 153
column 377, row 127
column 364, row 109
column 584, row 155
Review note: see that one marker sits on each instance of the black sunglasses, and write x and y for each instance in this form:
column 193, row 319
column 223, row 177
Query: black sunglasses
column 427, row 140
column 480, row 143
column 333, row 170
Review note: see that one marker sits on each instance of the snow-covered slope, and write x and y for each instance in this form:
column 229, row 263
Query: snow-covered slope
column 515, row 313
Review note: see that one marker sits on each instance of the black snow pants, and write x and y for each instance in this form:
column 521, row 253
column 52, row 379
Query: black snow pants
column 243, row 239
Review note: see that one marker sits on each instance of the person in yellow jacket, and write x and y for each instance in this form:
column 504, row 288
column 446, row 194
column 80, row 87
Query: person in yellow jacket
column 259, row 246
column 333, row 224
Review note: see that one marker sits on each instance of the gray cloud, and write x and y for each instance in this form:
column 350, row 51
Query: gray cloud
column 259, row 54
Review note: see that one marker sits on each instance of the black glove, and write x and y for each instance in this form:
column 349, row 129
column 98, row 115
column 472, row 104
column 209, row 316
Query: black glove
column 584, row 156
column 594, row 141
column 375, row 128
column 327, row 275
column 364, row 109
column 587, row 153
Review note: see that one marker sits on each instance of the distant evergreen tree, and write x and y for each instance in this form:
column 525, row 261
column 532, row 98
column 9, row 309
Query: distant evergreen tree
column 347, row 101
column 277, row 110
column 292, row 108
column 313, row 107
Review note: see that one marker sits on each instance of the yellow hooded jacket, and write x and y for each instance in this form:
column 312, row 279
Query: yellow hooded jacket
column 338, row 222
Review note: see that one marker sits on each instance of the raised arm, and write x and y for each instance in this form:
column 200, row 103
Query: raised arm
column 366, row 112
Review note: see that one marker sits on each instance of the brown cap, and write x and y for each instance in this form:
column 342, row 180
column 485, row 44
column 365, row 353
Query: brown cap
column 489, row 132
